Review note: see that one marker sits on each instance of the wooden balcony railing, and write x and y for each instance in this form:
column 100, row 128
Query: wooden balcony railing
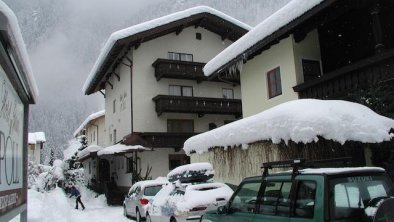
column 175, row 69
column 199, row 105
column 166, row 140
column 339, row 83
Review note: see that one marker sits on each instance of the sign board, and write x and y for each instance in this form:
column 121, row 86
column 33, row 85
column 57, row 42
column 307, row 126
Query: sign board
column 11, row 146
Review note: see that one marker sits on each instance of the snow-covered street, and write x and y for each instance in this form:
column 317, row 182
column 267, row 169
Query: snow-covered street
column 56, row 206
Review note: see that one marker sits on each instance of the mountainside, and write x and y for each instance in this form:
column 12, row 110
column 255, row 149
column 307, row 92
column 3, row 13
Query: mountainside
column 64, row 39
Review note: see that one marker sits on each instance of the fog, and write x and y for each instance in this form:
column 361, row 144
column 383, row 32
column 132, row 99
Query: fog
column 64, row 38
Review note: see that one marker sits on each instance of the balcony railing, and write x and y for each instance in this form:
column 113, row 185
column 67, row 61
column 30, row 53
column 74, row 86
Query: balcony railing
column 175, row 69
column 339, row 83
column 166, row 140
column 199, row 105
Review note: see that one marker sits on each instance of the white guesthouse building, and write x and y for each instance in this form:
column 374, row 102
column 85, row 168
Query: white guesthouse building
column 156, row 95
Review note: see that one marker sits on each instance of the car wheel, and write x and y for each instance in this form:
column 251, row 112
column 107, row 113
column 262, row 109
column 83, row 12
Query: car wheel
column 124, row 211
column 138, row 216
column 172, row 220
column 148, row 218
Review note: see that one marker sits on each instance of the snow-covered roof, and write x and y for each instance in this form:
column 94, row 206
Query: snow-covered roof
column 120, row 148
column 282, row 17
column 89, row 119
column 14, row 35
column 37, row 137
column 88, row 150
column 299, row 121
column 142, row 27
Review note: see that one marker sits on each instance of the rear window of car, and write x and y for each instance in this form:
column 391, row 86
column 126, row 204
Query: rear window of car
column 349, row 196
column 152, row 191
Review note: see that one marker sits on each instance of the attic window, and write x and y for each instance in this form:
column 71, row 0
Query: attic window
column 198, row 36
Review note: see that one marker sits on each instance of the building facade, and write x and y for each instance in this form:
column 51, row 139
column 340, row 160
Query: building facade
column 36, row 143
column 156, row 94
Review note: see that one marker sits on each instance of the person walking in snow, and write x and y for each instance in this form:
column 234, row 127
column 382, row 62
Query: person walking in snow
column 75, row 192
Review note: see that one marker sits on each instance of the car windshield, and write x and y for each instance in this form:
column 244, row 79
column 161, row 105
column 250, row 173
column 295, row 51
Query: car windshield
column 152, row 191
column 351, row 196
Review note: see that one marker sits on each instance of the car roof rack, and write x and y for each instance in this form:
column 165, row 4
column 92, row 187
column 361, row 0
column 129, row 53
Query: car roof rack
column 297, row 164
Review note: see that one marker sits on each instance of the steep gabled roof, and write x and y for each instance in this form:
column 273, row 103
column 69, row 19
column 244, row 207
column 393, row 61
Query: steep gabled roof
column 88, row 120
column 201, row 16
column 269, row 31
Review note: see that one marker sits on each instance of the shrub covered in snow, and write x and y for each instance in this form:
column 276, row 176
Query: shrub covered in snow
column 44, row 178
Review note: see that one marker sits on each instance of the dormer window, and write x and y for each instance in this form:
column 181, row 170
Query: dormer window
column 180, row 56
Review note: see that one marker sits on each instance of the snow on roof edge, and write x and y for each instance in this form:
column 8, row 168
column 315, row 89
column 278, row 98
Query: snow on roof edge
column 299, row 121
column 280, row 18
column 119, row 148
column 19, row 46
column 88, row 119
column 114, row 37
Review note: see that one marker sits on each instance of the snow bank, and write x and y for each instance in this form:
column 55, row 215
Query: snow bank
column 87, row 120
column 150, row 25
column 120, row 148
column 282, row 17
column 301, row 121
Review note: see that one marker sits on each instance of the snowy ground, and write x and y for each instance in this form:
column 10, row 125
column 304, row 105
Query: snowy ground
column 56, row 206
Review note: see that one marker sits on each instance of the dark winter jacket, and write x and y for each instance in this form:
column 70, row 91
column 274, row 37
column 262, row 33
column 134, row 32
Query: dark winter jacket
column 75, row 192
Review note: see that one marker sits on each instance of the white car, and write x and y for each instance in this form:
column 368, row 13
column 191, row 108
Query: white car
column 138, row 197
column 179, row 201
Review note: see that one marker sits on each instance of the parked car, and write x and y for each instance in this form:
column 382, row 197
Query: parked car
column 190, row 194
column 349, row 194
column 138, row 197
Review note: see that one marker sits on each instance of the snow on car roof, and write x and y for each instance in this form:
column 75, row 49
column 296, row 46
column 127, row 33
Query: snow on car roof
column 192, row 167
column 331, row 171
column 282, row 17
column 301, row 121
column 148, row 183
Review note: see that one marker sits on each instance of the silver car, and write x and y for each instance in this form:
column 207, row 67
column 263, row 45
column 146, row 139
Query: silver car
column 138, row 197
column 177, row 202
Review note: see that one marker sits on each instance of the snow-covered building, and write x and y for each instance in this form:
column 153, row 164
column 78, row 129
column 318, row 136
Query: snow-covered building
column 305, row 128
column 323, row 49
column 156, row 94
column 36, row 143
column 93, row 131
column 17, row 91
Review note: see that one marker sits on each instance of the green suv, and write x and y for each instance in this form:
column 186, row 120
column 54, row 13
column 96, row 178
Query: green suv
column 310, row 194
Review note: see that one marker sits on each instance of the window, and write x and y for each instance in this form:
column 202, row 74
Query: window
column 175, row 90
column 228, row 93
column 152, row 191
column 176, row 160
column 180, row 126
column 351, row 195
column 310, row 69
column 129, row 165
column 274, row 83
column 245, row 199
column 227, row 121
column 180, row 56
column 94, row 136
column 114, row 106
column 276, row 200
column 114, row 135
column 305, row 199
column 198, row 36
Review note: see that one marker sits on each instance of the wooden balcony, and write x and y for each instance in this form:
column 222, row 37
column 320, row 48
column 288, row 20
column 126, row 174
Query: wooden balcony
column 175, row 69
column 199, row 105
column 337, row 84
column 165, row 140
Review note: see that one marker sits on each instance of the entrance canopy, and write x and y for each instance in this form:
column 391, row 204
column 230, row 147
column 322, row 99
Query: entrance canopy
column 121, row 149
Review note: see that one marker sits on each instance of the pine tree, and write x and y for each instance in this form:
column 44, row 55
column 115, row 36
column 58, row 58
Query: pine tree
column 52, row 158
